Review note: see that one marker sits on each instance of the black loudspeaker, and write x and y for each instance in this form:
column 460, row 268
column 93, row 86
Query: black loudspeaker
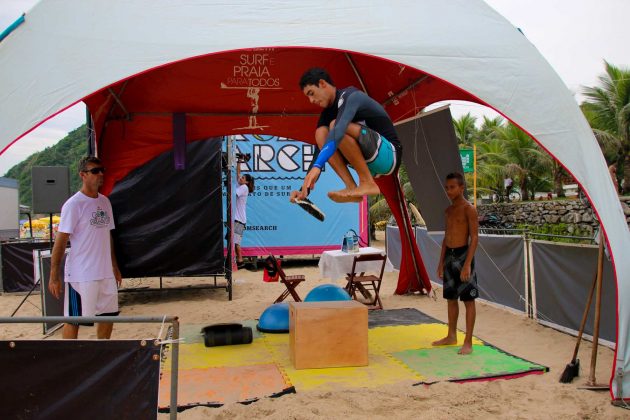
column 51, row 188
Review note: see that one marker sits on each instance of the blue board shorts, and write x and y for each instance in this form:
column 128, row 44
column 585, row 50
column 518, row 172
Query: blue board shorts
column 381, row 156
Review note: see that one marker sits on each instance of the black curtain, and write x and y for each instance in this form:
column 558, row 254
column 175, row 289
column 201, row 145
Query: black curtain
column 17, row 265
column 66, row 379
column 169, row 222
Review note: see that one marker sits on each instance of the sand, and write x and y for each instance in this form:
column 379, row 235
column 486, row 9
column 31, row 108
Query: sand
column 534, row 396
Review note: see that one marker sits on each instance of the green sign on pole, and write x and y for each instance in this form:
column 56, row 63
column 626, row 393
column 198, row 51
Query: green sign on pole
column 467, row 160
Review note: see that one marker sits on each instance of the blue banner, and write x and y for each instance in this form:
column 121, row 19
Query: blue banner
column 276, row 225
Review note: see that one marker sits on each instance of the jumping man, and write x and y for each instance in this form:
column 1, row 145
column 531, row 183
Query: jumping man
column 352, row 129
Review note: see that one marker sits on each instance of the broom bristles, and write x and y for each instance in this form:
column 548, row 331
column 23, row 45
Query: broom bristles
column 571, row 371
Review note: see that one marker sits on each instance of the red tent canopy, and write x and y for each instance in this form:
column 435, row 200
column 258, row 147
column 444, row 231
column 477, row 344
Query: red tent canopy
column 252, row 91
column 256, row 91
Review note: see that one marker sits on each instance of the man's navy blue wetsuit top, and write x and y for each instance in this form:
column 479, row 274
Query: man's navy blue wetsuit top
column 352, row 105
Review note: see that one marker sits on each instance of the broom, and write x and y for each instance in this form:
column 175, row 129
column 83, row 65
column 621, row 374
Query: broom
column 572, row 370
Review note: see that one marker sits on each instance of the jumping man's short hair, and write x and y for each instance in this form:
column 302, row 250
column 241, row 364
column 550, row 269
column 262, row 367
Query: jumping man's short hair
column 313, row 75
column 456, row 175
column 83, row 163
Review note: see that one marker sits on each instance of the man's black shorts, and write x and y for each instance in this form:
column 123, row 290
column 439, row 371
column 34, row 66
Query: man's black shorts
column 453, row 286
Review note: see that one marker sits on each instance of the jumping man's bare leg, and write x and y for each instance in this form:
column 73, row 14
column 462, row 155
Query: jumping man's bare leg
column 471, row 313
column 337, row 161
column 350, row 149
column 453, row 314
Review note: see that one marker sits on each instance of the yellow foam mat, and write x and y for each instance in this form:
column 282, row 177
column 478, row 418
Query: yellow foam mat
column 196, row 355
column 406, row 337
column 382, row 369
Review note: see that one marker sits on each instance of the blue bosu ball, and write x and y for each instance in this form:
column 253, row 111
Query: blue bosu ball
column 327, row 293
column 274, row 319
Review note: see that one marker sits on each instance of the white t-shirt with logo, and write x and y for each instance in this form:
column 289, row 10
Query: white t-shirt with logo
column 241, row 202
column 88, row 221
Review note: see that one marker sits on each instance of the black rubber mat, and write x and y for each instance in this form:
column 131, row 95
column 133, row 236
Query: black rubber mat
column 405, row 316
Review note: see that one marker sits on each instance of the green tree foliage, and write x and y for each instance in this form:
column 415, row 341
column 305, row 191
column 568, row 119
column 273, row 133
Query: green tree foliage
column 465, row 129
column 67, row 152
column 607, row 109
column 528, row 164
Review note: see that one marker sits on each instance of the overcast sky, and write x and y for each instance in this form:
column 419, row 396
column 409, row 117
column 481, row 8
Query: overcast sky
column 575, row 36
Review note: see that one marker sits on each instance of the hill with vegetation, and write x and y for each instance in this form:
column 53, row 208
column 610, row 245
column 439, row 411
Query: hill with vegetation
column 66, row 152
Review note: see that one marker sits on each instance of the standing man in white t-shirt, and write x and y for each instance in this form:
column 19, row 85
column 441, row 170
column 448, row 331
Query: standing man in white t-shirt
column 91, row 272
column 245, row 187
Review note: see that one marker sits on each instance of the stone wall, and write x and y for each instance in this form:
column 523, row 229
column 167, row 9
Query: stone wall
column 570, row 212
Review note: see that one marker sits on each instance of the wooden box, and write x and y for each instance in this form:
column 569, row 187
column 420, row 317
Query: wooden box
column 328, row 334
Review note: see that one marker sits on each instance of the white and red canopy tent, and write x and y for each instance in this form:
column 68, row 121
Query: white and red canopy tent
column 233, row 67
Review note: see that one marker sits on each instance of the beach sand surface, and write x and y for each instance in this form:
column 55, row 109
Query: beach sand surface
column 530, row 397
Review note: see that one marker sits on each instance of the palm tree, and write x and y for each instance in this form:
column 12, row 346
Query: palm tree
column 465, row 129
column 488, row 128
column 607, row 109
column 558, row 174
column 491, row 163
column 527, row 161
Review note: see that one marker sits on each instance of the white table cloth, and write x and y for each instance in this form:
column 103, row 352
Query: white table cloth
column 337, row 264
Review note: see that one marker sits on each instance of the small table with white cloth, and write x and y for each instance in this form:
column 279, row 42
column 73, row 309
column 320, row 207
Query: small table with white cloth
column 338, row 264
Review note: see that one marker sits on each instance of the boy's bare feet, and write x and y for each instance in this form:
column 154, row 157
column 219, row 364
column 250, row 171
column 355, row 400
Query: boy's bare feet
column 466, row 349
column 365, row 188
column 342, row 196
column 446, row 341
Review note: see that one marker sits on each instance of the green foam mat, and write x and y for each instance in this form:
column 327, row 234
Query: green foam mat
column 444, row 364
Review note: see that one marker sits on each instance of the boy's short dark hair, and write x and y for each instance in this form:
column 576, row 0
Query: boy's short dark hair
column 456, row 175
column 83, row 163
column 313, row 75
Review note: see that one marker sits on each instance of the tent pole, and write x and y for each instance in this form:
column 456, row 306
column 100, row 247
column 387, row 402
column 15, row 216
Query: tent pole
column 119, row 102
column 405, row 219
column 475, row 175
column 592, row 383
column 404, row 90
column 212, row 114
column 228, row 206
column 91, row 145
column 356, row 73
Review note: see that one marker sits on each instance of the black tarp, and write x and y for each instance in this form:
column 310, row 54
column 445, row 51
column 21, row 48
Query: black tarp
column 17, row 265
column 563, row 275
column 169, row 222
column 76, row 379
column 430, row 152
column 499, row 263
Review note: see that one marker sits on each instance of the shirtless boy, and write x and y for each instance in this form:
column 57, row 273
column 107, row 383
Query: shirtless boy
column 457, row 263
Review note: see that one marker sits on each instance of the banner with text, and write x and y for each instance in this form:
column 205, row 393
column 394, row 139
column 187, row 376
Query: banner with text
column 274, row 225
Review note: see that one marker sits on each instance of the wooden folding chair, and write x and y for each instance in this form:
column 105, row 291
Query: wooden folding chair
column 369, row 285
column 290, row 282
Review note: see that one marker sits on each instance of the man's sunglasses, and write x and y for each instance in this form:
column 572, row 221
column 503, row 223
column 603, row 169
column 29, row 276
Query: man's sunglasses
column 95, row 171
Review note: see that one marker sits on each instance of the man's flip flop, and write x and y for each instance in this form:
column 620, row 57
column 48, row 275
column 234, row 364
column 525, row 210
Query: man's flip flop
column 311, row 208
